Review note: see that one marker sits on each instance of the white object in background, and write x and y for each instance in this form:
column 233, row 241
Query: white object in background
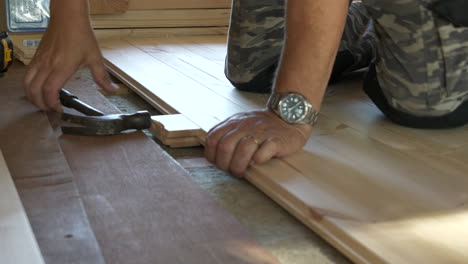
column 17, row 242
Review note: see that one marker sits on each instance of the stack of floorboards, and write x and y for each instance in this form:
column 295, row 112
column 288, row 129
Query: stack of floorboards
column 379, row 192
column 131, row 18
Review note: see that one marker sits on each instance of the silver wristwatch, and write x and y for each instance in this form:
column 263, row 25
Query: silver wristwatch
column 293, row 108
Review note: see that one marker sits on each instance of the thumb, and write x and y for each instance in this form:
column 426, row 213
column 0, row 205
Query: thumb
column 101, row 77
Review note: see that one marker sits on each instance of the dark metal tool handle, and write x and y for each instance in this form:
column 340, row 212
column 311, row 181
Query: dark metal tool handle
column 71, row 101
column 139, row 120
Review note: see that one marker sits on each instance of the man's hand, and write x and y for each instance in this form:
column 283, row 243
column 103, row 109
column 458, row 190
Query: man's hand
column 313, row 32
column 256, row 136
column 68, row 44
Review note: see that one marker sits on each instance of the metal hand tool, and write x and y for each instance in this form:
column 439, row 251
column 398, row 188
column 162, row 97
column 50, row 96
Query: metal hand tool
column 95, row 123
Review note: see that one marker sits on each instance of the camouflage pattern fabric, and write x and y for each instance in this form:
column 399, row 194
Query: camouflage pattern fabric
column 359, row 36
column 420, row 58
column 256, row 37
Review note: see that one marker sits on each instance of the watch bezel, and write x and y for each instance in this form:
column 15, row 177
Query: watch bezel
column 307, row 107
column 310, row 116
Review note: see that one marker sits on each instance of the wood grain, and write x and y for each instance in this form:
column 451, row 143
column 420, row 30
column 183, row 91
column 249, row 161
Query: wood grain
column 108, row 6
column 163, row 18
column 143, row 207
column 43, row 178
column 17, row 242
column 123, row 54
column 379, row 192
column 178, row 4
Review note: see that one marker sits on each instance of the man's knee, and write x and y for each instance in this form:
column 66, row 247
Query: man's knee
column 257, row 82
column 418, row 109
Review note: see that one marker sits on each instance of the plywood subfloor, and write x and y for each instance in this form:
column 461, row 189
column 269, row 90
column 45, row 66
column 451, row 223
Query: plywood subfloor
column 378, row 192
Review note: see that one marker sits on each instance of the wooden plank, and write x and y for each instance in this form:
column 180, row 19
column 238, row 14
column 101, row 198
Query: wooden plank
column 176, row 131
column 17, row 242
column 144, row 207
column 347, row 106
column 158, row 32
column 178, row 4
column 108, row 6
column 43, row 178
column 163, row 18
column 379, row 192
column 212, row 47
column 117, row 53
column 174, row 126
column 180, row 56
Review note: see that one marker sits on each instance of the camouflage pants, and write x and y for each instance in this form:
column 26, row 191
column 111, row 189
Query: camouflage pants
column 420, row 59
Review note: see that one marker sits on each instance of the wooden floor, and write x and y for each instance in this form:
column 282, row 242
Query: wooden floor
column 378, row 192
column 117, row 199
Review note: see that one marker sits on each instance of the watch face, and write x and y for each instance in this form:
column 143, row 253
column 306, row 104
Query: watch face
column 292, row 108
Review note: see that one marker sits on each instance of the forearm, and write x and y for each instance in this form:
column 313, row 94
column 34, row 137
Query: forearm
column 69, row 10
column 313, row 33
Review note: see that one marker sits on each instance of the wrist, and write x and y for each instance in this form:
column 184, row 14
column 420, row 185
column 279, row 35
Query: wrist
column 69, row 10
column 312, row 93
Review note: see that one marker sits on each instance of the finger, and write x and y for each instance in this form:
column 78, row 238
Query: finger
column 34, row 93
column 28, row 77
column 213, row 137
column 243, row 154
column 50, row 92
column 268, row 150
column 101, row 77
column 226, row 147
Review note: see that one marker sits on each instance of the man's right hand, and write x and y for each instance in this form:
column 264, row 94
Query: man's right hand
column 68, row 45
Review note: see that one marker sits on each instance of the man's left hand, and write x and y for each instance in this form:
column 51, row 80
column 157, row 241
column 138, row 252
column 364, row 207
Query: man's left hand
column 253, row 137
